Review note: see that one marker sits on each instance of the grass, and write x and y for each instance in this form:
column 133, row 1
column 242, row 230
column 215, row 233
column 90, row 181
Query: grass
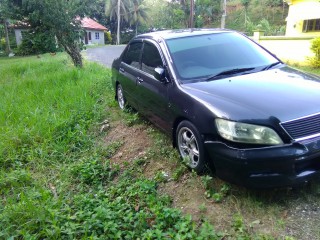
column 57, row 181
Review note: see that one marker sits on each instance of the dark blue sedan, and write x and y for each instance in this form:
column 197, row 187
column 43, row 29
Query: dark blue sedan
column 227, row 102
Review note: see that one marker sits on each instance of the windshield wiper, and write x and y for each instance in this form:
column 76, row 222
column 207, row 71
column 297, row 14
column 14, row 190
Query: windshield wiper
column 228, row 72
column 271, row 65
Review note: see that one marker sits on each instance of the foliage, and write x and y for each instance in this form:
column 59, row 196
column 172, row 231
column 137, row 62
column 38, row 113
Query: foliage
column 37, row 41
column 57, row 180
column 55, row 183
column 265, row 15
column 315, row 48
column 138, row 12
column 207, row 13
column 57, row 18
column 107, row 37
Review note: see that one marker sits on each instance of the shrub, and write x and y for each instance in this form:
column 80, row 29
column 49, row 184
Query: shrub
column 107, row 37
column 37, row 42
column 315, row 48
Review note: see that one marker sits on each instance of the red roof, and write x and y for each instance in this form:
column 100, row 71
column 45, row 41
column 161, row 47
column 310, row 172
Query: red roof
column 88, row 23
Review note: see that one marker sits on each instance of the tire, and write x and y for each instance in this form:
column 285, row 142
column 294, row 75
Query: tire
column 190, row 146
column 120, row 97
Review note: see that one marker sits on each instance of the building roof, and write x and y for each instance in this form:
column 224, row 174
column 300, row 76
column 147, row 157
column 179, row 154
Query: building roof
column 88, row 23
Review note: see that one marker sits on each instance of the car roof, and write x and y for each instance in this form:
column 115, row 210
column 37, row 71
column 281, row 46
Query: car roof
column 180, row 33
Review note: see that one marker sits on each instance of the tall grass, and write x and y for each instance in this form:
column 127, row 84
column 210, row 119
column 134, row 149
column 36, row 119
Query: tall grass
column 46, row 106
column 55, row 181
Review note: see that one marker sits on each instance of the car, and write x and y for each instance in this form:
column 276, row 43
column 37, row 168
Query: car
column 227, row 102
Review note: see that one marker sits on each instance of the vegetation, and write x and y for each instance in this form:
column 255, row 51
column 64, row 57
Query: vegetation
column 315, row 48
column 55, row 20
column 57, row 179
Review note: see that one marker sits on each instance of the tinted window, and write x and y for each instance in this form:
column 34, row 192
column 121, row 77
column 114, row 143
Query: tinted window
column 205, row 55
column 132, row 56
column 150, row 58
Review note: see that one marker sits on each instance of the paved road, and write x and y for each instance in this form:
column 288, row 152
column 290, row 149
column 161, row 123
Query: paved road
column 104, row 54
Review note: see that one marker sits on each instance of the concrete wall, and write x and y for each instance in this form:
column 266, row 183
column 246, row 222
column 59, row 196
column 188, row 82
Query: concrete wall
column 292, row 49
column 300, row 10
column 93, row 40
column 18, row 34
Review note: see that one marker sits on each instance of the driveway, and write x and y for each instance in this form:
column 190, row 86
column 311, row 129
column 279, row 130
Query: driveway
column 105, row 54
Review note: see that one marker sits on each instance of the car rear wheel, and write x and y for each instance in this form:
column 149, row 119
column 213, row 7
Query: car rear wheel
column 190, row 146
column 120, row 97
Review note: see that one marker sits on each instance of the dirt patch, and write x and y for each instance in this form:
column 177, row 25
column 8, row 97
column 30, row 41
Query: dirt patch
column 134, row 142
column 276, row 213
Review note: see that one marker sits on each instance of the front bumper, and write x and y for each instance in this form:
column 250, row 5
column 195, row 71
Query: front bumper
column 267, row 167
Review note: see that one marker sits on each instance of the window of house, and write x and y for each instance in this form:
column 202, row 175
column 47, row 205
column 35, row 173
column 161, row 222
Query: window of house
column 97, row 35
column 150, row 58
column 89, row 36
column 311, row 25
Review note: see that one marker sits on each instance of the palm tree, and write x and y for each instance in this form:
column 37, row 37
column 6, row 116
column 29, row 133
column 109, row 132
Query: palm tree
column 117, row 9
column 138, row 13
column 245, row 3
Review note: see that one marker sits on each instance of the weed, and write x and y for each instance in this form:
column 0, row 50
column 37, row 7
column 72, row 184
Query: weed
column 179, row 172
column 202, row 208
column 93, row 171
column 211, row 192
column 161, row 177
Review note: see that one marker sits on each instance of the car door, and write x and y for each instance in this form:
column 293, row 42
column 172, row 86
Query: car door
column 153, row 94
column 129, row 70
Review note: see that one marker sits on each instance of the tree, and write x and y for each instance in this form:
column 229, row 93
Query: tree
column 245, row 3
column 4, row 15
column 207, row 12
column 60, row 18
column 138, row 13
column 117, row 9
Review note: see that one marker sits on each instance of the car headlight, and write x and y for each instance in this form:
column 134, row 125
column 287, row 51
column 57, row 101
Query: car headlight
column 247, row 133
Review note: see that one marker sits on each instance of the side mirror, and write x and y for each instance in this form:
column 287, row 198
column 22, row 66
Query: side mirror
column 159, row 74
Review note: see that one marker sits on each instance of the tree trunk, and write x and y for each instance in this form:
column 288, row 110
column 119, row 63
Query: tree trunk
column 118, row 19
column 74, row 52
column 136, row 28
column 224, row 13
column 8, row 49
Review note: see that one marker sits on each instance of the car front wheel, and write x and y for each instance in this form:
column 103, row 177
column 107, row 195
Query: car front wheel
column 120, row 97
column 190, row 146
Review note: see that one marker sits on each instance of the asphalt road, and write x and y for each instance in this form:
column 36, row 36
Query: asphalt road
column 105, row 54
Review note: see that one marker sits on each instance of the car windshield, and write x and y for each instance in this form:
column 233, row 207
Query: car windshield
column 203, row 56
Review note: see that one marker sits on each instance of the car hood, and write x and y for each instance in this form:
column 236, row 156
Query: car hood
column 282, row 93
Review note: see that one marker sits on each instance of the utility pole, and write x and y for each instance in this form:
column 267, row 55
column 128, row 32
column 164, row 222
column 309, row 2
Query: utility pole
column 224, row 13
column 191, row 13
column 119, row 20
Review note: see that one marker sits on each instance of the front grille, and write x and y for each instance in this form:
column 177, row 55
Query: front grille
column 303, row 127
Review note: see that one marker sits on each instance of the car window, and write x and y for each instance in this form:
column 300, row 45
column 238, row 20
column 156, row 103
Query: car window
column 206, row 55
column 150, row 58
column 132, row 56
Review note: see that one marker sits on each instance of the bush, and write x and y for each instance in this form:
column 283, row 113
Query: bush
column 37, row 42
column 3, row 44
column 315, row 48
column 107, row 37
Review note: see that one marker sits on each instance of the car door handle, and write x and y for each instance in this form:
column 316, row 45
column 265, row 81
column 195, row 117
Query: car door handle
column 140, row 80
column 121, row 70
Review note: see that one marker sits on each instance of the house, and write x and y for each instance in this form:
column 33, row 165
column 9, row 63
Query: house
column 93, row 31
column 303, row 18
